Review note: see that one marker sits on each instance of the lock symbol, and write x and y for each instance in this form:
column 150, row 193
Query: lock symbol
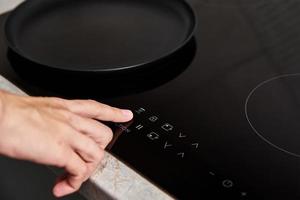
column 153, row 118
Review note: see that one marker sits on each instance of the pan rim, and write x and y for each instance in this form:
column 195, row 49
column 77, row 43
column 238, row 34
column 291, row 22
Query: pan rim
column 93, row 68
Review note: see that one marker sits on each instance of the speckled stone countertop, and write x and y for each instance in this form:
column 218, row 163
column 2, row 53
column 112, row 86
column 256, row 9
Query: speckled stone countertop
column 112, row 179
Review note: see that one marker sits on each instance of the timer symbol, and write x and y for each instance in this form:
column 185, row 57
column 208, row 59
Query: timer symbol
column 227, row 183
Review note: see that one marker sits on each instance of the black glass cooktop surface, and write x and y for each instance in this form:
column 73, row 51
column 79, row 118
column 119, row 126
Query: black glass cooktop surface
column 221, row 119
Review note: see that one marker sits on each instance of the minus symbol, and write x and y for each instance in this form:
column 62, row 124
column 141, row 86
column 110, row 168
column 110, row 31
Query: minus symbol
column 211, row 173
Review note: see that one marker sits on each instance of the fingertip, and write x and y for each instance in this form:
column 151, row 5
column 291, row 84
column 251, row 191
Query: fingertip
column 127, row 114
column 62, row 189
column 57, row 191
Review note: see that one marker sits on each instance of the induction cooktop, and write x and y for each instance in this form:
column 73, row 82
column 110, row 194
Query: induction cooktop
column 221, row 118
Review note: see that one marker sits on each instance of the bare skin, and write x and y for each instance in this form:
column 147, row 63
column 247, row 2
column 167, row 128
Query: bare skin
column 57, row 132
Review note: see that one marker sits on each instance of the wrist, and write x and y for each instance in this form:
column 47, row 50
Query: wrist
column 1, row 107
column 2, row 148
column 5, row 144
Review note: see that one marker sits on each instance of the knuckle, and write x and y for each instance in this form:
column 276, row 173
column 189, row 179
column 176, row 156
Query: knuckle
column 58, row 101
column 107, row 108
column 83, row 172
column 68, row 117
column 92, row 102
column 76, row 182
column 103, row 110
column 88, row 143
column 91, row 149
column 115, row 110
column 64, row 135
column 76, row 103
column 96, row 158
column 100, row 156
column 109, row 134
column 106, row 133
column 60, row 158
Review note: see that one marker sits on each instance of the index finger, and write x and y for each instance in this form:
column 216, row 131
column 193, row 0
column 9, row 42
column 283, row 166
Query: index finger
column 96, row 110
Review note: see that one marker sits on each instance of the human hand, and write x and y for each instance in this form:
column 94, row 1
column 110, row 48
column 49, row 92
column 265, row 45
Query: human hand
column 57, row 132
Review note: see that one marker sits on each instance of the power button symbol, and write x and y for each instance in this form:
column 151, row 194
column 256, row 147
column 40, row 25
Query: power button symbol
column 227, row 183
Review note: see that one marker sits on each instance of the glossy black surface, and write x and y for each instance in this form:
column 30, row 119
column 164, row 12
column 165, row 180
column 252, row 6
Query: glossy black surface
column 209, row 149
column 99, row 36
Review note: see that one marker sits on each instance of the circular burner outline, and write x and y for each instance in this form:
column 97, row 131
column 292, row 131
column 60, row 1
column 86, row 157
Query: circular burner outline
column 251, row 124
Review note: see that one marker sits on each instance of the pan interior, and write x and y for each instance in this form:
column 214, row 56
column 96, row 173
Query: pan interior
column 100, row 34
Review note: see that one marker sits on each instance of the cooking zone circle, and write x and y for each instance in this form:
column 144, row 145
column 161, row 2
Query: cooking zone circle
column 273, row 111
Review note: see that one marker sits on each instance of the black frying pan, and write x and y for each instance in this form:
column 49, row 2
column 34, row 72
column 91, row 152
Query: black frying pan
column 99, row 35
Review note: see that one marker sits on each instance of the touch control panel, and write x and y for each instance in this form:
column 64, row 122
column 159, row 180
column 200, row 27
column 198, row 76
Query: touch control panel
column 163, row 152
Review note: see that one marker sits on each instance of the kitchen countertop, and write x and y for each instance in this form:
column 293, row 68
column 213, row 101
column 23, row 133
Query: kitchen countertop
column 113, row 179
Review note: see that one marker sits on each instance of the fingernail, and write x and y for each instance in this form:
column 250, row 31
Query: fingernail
column 58, row 192
column 127, row 113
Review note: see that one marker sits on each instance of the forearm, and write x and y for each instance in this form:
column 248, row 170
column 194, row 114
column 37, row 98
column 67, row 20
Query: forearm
column 1, row 107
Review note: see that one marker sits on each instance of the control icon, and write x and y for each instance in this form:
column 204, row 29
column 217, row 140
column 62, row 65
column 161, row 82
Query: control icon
column 195, row 145
column 139, row 127
column 153, row 136
column 153, row 118
column 212, row 173
column 140, row 110
column 167, row 145
column 243, row 194
column 227, row 183
column 127, row 130
column 181, row 154
column 167, row 127
column 181, row 135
